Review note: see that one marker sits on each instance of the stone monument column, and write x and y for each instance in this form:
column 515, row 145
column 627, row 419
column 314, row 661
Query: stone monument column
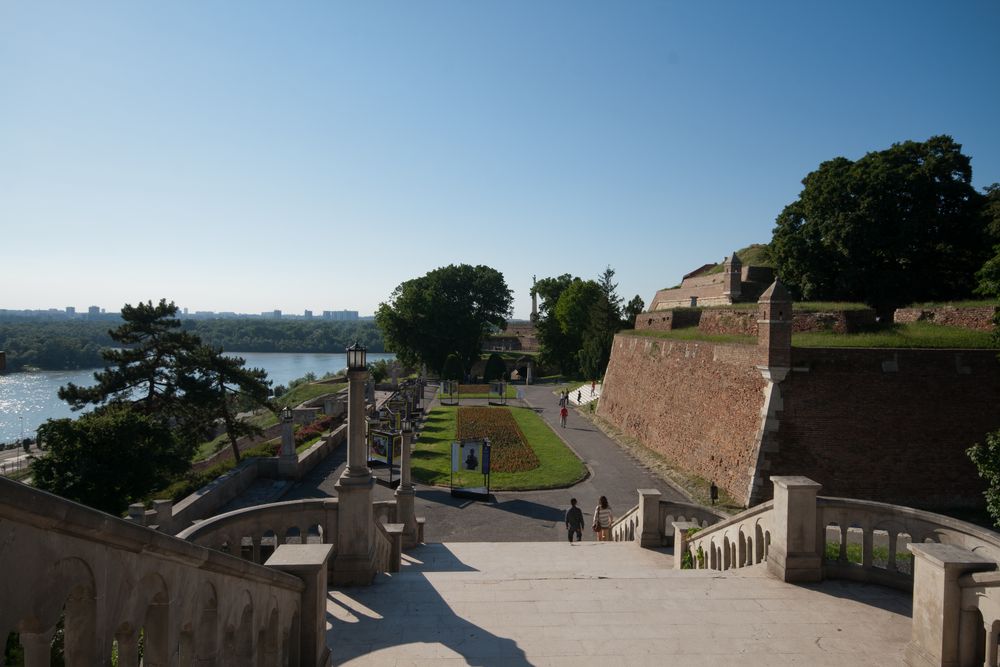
column 405, row 493
column 288, row 460
column 354, row 563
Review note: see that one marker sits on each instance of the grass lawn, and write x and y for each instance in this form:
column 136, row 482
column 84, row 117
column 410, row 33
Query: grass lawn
column 206, row 449
column 558, row 468
column 307, row 391
column 908, row 335
column 477, row 393
column 982, row 303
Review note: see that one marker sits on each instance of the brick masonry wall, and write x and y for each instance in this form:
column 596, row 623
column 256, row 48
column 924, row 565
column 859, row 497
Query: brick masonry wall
column 697, row 404
column 980, row 319
column 888, row 425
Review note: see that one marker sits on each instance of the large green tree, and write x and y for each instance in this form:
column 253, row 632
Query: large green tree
column 896, row 226
column 216, row 386
column 110, row 457
column 450, row 309
column 556, row 349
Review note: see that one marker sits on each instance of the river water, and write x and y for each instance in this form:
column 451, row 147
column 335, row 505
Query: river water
column 28, row 399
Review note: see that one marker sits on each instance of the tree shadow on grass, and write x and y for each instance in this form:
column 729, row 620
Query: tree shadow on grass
column 405, row 612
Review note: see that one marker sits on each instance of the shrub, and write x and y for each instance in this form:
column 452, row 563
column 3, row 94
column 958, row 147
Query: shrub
column 453, row 368
column 495, row 369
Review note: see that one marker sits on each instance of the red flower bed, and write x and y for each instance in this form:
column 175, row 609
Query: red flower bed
column 510, row 451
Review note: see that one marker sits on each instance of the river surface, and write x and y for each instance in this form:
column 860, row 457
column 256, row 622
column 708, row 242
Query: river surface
column 28, row 399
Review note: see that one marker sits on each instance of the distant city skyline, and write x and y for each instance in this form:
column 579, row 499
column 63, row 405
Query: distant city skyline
column 258, row 156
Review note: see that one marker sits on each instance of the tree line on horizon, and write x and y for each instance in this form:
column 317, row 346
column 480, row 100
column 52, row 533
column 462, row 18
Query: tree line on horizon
column 68, row 345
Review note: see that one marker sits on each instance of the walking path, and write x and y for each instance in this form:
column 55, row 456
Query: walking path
column 549, row 604
column 514, row 516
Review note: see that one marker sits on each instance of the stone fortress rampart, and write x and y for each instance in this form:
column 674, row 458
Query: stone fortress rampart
column 890, row 425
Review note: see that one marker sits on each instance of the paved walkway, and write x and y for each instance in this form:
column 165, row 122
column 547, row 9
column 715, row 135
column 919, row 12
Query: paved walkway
column 515, row 516
column 550, row 604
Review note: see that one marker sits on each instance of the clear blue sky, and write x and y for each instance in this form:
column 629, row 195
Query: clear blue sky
column 257, row 155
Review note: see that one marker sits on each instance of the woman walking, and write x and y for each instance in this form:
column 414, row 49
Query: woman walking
column 603, row 519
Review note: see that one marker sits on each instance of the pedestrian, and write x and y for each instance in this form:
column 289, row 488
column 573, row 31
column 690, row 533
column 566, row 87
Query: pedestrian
column 578, row 396
column 603, row 518
column 593, row 387
column 563, row 413
column 574, row 521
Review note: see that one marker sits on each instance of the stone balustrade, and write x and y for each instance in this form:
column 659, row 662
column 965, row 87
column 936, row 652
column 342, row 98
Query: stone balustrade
column 106, row 584
column 253, row 533
column 651, row 521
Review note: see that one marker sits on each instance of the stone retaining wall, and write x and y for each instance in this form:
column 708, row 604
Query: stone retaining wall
column 743, row 322
column 980, row 319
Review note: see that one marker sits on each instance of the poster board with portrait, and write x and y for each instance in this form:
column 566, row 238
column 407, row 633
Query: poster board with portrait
column 449, row 394
column 470, row 468
column 498, row 393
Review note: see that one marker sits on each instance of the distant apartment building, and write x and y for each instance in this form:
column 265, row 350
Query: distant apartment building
column 340, row 315
column 307, row 314
column 94, row 311
column 71, row 311
column 272, row 314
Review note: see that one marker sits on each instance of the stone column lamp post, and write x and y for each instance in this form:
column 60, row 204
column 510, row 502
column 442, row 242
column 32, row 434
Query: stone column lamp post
column 405, row 493
column 288, row 461
column 354, row 564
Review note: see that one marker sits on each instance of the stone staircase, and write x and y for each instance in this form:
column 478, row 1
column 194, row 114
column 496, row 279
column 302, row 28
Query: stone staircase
column 549, row 603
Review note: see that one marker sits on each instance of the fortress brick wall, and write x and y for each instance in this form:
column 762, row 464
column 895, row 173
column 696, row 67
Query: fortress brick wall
column 744, row 322
column 980, row 319
column 698, row 404
column 887, row 425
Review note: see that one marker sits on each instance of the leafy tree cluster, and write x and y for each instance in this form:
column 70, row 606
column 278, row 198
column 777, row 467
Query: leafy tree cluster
column 449, row 310
column 161, row 393
column 897, row 226
column 578, row 320
column 53, row 345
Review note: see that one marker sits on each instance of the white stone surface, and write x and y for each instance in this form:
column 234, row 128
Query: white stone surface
column 591, row 603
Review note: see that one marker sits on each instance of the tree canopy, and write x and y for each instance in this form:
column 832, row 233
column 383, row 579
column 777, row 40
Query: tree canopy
column 894, row 227
column 450, row 309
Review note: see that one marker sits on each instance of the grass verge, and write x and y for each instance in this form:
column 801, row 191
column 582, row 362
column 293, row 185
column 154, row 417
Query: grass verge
column 908, row 335
column 558, row 466
column 693, row 333
column 307, row 391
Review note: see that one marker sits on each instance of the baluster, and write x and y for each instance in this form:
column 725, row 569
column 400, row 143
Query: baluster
column 891, row 565
column 255, row 549
column 991, row 644
column 36, row 648
column 867, row 546
column 843, row 543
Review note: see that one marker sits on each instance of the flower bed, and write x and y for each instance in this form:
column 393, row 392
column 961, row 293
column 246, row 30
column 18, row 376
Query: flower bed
column 510, row 451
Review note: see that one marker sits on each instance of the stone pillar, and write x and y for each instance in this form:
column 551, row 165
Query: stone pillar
column 405, row 495
column 308, row 562
column 937, row 597
column 681, row 541
column 795, row 552
column 164, row 515
column 774, row 327
column 649, row 518
column 530, row 374
column 328, row 407
column 354, row 563
column 288, row 460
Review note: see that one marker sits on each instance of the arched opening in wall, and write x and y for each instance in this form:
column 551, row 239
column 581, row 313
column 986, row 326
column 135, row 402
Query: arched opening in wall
column 243, row 638
column 713, row 556
column 972, row 638
column 206, row 635
column 292, row 641
column 758, row 554
column 315, row 534
column 293, row 536
column 246, row 548
column 832, row 542
column 855, row 541
column 880, row 548
column 267, row 644
column 902, row 556
column 268, row 544
column 726, row 560
column 767, row 543
column 741, row 555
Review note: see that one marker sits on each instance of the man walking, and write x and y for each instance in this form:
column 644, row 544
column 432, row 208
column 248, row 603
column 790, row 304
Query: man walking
column 574, row 521
column 563, row 414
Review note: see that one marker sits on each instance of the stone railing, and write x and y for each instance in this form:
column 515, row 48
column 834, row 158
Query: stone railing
column 651, row 522
column 106, row 582
column 253, row 533
column 739, row 541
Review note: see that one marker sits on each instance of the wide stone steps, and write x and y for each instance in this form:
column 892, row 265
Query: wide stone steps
column 549, row 603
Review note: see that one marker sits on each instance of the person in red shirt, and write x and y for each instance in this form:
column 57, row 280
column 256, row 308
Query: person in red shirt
column 563, row 413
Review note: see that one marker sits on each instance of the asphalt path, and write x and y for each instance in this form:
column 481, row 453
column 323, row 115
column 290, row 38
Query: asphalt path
column 515, row 516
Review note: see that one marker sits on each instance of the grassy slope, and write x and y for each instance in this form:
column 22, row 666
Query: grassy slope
column 559, row 467
column 307, row 391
